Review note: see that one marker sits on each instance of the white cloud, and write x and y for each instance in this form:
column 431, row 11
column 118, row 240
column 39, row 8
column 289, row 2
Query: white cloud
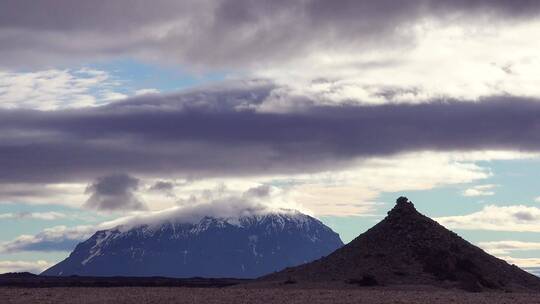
column 507, row 247
column 534, row 269
column 352, row 191
column 537, row 199
column 517, row 218
column 146, row 92
column 504, row 249
column 355, row 191
column 524, row 262
column 480, row 190
column 430, row 52
column 220, row 202
column 24, row 266
column 72, row 195
column 113, row 96
column 48, row 216
column 214, row 204
column 56, row 89
column 447, row 61
column 58, row 238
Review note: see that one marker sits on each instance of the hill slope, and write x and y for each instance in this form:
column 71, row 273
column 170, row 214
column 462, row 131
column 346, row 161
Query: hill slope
column 243, row 247
column 408, row 248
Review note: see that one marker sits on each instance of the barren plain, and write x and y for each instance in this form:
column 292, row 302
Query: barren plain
column 156, row 295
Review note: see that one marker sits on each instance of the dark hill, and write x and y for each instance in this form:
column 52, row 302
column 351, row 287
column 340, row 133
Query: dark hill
column 408, row 248
column 17, row 275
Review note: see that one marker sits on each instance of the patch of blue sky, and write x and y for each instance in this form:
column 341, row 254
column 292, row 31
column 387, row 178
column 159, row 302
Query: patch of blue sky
column 349, row 227
column 518, row 182
column 133, row 75
column 439, row 201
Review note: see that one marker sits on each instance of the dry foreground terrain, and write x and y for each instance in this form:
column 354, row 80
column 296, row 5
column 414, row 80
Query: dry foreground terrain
column 251, row 295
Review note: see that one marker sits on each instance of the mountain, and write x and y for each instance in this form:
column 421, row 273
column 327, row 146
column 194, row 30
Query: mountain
column 408, row 248
column 242, row 247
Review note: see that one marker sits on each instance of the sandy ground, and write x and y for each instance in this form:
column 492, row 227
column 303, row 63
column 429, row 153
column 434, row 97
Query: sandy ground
column 241, row 295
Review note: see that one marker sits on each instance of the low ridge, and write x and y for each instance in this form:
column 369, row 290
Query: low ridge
column 408, row 248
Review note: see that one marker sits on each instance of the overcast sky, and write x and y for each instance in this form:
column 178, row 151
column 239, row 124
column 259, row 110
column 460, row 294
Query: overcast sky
column 114, row 110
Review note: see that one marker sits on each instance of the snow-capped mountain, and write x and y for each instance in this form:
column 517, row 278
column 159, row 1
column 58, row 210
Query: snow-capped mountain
column 241, row 247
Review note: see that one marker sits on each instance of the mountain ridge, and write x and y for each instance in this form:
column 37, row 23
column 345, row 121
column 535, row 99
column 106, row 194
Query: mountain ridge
column 243, row 247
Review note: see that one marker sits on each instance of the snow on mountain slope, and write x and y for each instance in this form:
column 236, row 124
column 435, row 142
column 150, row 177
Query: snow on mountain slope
column 242, row 247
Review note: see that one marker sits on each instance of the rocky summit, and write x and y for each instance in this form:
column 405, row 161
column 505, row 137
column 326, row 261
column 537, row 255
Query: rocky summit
column 242, row 247
column 408, row 248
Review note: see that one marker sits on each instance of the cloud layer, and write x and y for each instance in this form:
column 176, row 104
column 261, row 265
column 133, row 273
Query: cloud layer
column 517, row 218
column 48, row 216
column 506, row 247
column 59, row 238
column 338, row 51
column 220, row 132
column 218, row 203
column 227, row 32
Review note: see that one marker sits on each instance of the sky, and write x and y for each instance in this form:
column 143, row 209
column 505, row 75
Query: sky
column 114, row 110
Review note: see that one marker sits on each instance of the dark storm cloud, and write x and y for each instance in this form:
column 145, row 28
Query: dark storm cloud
column 162, row 186
column 259, row 191
column 223, row 33
column 114, row 192
column 525, row 216
column 194, row 135
column 165, row 187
